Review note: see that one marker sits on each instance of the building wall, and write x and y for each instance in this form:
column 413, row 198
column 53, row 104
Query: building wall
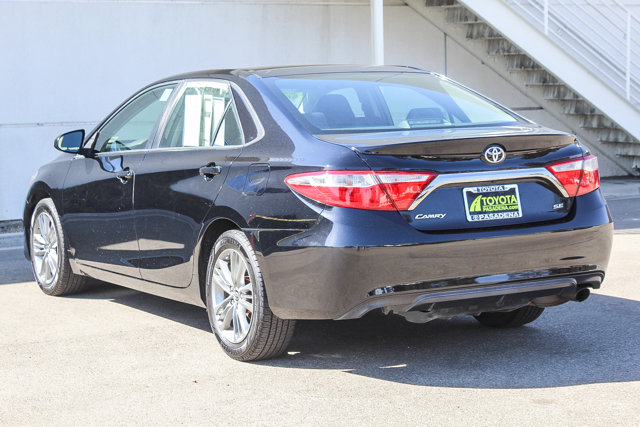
column 66, row 64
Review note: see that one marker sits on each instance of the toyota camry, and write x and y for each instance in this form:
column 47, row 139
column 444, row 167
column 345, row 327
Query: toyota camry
column 321, row 192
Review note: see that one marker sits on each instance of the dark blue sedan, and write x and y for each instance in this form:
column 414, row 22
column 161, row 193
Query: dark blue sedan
column 321, row 192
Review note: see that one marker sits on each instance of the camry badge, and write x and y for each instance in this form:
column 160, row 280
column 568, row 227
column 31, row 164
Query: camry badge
column 494, row 154
column 431, row 216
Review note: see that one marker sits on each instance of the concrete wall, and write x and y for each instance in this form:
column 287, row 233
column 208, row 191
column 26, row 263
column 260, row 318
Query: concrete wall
column 66, row 64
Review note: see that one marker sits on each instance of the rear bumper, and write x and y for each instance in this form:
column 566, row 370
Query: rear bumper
column 314, row 275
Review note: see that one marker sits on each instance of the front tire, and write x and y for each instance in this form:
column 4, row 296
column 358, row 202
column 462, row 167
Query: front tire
column 49, row 259
column 237, row 305
column 510, row 319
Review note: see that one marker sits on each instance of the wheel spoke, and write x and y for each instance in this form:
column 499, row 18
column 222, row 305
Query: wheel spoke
column 224, row 305
column 220, row 281
column 39, row 251
column 43, row 269
column 225, row 273
column 226, row 316
column 237, row 332
column 53, row 255
column 39, row 240
column 246, row 289
column 52, row 237
column 237, row 325
column 52, row 267
column 38, row 264
column 246, row 305
column 237, row 269
column 41, row 224
column 243, row 322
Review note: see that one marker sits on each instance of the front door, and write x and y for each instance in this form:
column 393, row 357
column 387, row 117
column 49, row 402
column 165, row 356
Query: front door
column 98, row 216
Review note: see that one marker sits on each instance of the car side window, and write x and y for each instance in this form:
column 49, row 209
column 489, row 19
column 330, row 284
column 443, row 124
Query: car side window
column 196, row 115
column 230, row 131
column 249, row 128
column 131, row 127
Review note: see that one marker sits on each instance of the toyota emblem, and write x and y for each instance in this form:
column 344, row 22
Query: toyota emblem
column 494, row 154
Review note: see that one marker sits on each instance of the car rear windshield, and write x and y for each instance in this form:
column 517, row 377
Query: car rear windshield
column 381, row 101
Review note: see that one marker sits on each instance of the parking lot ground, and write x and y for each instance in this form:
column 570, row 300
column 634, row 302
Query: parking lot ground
column 117, row 356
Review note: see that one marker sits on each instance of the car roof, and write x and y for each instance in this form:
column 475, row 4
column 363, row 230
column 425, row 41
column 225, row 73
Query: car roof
column 290, row 70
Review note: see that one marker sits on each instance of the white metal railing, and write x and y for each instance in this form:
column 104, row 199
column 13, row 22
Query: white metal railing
column 604, row 35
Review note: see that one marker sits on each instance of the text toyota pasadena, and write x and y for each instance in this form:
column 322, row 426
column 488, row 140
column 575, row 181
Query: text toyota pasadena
column 321, row 192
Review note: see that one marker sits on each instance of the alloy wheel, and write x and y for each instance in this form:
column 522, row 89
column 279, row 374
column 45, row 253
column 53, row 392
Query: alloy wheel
column 44, row 243
column 232, row 296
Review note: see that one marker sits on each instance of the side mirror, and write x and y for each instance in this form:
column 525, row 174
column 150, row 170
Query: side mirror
column 70, row 142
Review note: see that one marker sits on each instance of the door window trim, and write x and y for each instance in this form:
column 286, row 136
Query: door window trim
column 175, row 98
column 91, row 140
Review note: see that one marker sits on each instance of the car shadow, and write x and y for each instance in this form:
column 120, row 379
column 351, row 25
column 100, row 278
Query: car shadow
column 577, row 343
column 186, row 314
column 591, row 342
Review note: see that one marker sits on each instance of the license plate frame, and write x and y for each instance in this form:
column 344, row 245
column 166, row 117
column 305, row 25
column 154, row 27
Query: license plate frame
column 496, row 202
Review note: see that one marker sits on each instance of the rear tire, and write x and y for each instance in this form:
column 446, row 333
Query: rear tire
column 237, row 305
column 49, row 259
column 510, row 319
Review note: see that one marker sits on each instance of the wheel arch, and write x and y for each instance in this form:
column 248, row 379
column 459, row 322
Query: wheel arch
column 212, row 230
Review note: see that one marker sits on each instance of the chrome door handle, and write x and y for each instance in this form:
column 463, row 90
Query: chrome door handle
column 124, row 175
column 209, row 171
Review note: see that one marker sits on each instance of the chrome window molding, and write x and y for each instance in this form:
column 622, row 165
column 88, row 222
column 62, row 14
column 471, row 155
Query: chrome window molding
column 175, row 97
column 89, row 142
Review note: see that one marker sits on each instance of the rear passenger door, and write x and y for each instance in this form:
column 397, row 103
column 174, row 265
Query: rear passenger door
column 180, row 177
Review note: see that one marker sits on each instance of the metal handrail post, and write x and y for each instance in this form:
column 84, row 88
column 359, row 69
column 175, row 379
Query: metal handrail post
column 628, row 55
column 546, row 17
column 377, row 32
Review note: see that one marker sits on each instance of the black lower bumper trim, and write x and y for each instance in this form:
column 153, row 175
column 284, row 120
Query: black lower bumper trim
column 403, row 302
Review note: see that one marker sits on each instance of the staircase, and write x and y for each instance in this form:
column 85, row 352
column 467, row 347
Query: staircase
column 617, row 148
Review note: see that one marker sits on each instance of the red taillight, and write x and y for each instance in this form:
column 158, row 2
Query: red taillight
column 578, row 176
column 382, row 191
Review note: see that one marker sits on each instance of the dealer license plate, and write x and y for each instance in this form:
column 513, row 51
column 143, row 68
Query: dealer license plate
column 492, row 202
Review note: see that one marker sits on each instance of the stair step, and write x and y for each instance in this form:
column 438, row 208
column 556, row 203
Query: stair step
column 625, row 149
column 551, row 98
column 577, row 115
column 596, row 121
column 544, row 84
column 559, row 92
column 482, row 31
column 578, row 106
column 521, row 63
column 461, row 15
column 523, row 69
column 563, row 99
column 616, row 136
column 502, row 47
column 440, row 3
column 540, row 77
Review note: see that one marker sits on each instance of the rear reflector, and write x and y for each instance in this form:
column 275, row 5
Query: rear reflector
column 579, row 176
column 382, row 191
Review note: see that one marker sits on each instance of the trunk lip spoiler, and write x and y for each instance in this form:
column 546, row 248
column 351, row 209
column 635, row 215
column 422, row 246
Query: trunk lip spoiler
column 490, row 177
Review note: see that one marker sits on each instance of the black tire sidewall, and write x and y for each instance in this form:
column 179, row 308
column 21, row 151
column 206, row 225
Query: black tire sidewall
column 228, row 240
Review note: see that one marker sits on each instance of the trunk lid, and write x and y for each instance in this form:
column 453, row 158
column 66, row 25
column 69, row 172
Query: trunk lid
column 469, row 192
